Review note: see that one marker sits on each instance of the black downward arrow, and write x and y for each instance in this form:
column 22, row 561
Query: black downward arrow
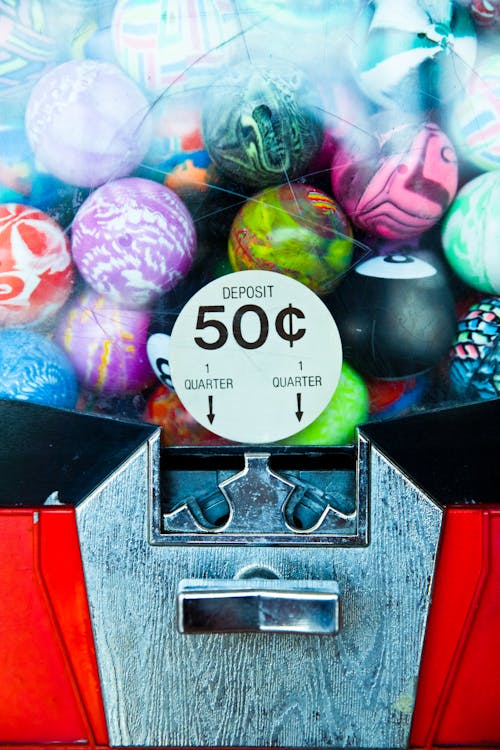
column 210, row 415
column 299, row 413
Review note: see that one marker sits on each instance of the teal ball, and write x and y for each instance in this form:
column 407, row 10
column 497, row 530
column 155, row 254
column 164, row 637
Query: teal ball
column 414, row 57
column 471, row 233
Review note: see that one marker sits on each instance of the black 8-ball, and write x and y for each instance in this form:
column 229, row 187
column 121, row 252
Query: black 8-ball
column 395, row 314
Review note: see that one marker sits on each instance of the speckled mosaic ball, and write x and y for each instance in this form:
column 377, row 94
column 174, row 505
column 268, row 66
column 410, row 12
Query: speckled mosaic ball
column 475, row 354
column 106, row 345
column 132, row 240
column 26, row 50
column 414, row 55
column 87, row 123
column 33, row 368
column 262, row 125
column 471, row 233
column 295, row 230
column 336, row 424
column 36, row 271
column 475, row 118
column 399, row 183
column 165, row 42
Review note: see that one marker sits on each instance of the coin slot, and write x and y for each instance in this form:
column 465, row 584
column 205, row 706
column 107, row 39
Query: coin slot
column 266, row 495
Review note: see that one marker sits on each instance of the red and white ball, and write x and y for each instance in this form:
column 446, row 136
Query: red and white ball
column 36, row 270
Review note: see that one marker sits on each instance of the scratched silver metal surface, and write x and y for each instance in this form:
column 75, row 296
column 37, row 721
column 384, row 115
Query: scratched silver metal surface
column 162, row 688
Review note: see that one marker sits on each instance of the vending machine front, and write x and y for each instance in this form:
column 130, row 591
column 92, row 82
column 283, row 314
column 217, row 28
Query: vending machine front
column 249, row 382
column 249, row 598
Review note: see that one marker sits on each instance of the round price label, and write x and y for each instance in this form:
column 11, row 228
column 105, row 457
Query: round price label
column 255, row 356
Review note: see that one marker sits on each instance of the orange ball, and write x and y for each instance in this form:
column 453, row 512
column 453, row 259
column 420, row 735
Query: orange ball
column 178, row 427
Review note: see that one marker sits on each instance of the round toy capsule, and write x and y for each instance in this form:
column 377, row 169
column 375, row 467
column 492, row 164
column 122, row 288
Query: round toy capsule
column 262, row 125
column 106, row 345
column 475, row 118
column 336, row 424
column 471, row 233
column 296, row 230
column 475, row 354
column 396, row 181
column 414, row 55
column 395, row 315
column 36, row 271
column 87, row 123
column 132, row 240
column 34, row 369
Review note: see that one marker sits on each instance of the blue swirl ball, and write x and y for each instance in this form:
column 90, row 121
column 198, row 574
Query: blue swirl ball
column 33, row 368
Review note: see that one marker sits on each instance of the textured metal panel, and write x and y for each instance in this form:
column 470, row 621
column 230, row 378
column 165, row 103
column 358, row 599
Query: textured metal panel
column 355, row 689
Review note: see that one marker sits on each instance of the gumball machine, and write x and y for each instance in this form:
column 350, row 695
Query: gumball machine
column 249, row 384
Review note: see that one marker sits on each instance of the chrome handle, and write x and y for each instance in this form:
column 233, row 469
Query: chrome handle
column 258, row 606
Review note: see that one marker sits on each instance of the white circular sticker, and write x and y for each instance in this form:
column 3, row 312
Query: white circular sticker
column 255, row 356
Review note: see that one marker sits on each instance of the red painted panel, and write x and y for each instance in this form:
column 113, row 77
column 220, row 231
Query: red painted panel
column 49, row 689
column 49, row 685
column 458, row 700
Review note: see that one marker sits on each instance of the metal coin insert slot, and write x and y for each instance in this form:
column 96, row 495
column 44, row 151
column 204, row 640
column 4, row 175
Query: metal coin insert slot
column 258, row 606
column 276, row 496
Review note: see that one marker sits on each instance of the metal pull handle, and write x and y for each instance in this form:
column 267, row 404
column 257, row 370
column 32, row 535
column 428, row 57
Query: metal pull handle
column 258, row 606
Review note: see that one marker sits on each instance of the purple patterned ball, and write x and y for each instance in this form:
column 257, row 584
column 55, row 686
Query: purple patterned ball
column 132, row 240
column 87, row 123
column 106, row 345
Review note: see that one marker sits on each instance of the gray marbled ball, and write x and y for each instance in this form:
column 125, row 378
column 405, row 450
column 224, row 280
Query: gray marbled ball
column 262, row 125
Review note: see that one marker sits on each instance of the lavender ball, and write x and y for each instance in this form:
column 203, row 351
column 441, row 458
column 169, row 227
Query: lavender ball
column 87, row 123
column 133, row 239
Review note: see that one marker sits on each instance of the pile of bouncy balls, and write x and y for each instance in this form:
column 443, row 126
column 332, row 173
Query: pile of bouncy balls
column 149, row 146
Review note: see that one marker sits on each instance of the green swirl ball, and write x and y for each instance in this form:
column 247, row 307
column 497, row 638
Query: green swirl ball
column 262, row 126
column 296, row 230
column 471, row 233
